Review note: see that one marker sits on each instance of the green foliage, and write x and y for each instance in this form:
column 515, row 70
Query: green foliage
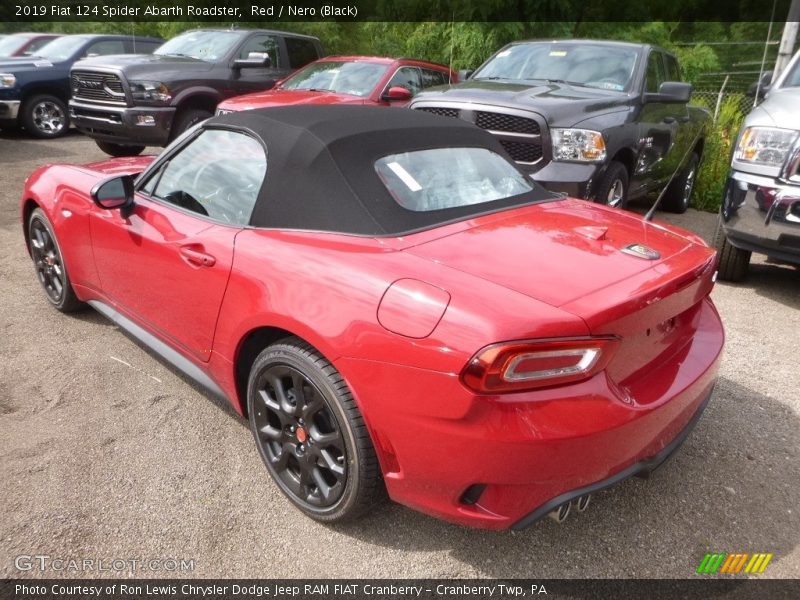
column 717, row 153
column 695, row 60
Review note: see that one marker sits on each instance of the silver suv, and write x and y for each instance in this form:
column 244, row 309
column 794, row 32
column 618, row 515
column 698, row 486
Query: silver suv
column 761, row 208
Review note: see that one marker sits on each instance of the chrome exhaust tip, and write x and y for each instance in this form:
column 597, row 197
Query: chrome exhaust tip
column 583, row 502
column 560, row 514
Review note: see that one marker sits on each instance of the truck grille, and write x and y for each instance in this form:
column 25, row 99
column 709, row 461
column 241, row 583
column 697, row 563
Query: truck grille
column 441, row 111
column 520, row 136
column 525, row 152
column 503, row 122
column 98, row 87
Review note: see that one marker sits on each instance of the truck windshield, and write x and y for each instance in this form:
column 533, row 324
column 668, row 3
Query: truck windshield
column 203, row 45
column 589, row 65
column 354, row 78
column 61, row 48
column 11, row 43
column 793, row 77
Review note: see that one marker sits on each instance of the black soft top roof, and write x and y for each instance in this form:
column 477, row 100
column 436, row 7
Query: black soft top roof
column 321, row 166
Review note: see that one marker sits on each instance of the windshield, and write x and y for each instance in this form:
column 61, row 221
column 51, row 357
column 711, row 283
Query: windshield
column 10, row 44
column 427, row 180
column 589, row 65
column 793, row 77
column 203, row 45
column 61, row 48
column 354, row 78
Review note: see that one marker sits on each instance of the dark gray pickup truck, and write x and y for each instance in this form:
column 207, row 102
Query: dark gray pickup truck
column 608, row 121
column 128, row 102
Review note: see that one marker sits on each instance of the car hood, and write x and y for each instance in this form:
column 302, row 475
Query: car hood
column 147, row 65
column 555, row 101
column 556, row 252
column 287, row 97
column 23, row 63
column 778, row 110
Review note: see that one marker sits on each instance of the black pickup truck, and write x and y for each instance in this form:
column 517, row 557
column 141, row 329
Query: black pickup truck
column 608, row 121
column 34, row 90
column 127, row 103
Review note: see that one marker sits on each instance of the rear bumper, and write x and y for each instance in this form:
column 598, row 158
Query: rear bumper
column 145, row 126
column 643, row 468
column 762, row 214
column 528, row 452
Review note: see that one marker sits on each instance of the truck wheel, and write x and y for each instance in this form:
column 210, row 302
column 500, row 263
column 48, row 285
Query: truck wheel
column 733, row 261
column 45, row 116
column 187, row 118
column 119, row 149
column 679, row 194
column 613, row 187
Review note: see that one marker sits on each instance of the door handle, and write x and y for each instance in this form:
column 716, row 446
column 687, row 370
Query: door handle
column 196, row 257
column 669, row 120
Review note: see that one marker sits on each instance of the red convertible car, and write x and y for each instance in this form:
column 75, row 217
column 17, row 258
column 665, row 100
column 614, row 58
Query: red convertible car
column 348, row 80
column 393, row 304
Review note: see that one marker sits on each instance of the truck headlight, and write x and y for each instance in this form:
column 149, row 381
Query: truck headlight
column 7, row 80
column 765, row 145
column 581, row 145
column 150, row 91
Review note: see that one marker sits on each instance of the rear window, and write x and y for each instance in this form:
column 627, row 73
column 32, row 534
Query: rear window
column 441, row 178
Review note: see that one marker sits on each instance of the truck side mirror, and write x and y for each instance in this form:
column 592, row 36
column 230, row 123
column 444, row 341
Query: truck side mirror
column 254, row 60
column 676, row 92
column 464, row 74
column 766, row 82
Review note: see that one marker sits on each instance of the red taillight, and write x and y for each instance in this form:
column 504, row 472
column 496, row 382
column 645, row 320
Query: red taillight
column 525, row 365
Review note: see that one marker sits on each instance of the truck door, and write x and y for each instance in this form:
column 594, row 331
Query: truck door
column 659, row 125
column 255, row 79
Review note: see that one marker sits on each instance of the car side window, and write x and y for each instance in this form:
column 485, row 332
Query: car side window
column 673, row 72
column 431, row 78
column 218, row 175
column 36, row 44
column 106, row 47
column 263, row 44
column 406, row 77
column 143, row 46
column 300, row 51
column 655, row 72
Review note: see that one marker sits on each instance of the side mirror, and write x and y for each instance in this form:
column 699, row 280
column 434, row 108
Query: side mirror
column 254, row 60
column 763, row 88
column 464, row 74
column 113, row 193
column 396, row 93
column 676, row 92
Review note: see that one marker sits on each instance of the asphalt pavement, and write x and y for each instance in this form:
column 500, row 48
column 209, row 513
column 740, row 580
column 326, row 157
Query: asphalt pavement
column 109, row 454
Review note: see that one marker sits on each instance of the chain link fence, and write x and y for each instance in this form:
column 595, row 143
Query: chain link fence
column 713, row 99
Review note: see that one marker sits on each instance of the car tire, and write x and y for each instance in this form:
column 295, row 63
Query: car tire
column 733, row 262
column 119, row 149
column 49, row 264
column 679, row 195
column 187, row 118
column 314, row 444
column 45, row 116
column 613, row 187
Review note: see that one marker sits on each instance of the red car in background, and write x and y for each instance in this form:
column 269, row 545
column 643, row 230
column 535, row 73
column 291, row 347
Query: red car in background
column 24, row 44
column 393, row 303
column 349, row 80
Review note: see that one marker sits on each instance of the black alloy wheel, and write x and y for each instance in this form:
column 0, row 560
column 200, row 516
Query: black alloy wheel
column 310, row 434
column 49, row 265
